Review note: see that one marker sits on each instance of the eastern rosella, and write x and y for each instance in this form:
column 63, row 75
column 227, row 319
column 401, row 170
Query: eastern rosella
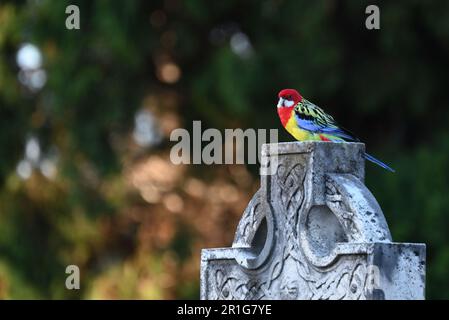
column 306, row 121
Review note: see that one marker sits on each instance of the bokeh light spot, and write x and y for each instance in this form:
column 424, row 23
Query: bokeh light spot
column 169, row 73
column 24, row 169
column 29, row 57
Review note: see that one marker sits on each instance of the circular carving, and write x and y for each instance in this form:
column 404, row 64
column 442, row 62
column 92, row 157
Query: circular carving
column 324, row 230
column 255, row 233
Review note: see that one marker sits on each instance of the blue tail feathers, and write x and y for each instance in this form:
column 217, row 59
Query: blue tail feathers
column 378, row 162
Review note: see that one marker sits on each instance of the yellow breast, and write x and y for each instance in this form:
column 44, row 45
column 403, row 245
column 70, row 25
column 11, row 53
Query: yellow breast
column 298, row 133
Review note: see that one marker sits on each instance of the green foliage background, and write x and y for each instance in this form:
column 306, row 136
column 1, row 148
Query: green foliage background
column 388, row 85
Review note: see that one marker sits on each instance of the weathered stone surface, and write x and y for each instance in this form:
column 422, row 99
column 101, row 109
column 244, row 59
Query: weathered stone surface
column 313, row 231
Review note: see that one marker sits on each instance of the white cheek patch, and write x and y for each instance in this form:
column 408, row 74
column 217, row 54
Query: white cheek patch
column 288, row 103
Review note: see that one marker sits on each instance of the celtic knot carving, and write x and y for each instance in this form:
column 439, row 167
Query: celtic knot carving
column 335, row 202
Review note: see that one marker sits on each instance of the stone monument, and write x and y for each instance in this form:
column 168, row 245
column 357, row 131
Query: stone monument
column 313, row 231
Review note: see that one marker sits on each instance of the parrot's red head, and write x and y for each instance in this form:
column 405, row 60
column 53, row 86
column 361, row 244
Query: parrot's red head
column 288, row 99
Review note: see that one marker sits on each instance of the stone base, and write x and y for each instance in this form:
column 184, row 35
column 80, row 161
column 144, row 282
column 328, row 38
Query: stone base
column 313, row 231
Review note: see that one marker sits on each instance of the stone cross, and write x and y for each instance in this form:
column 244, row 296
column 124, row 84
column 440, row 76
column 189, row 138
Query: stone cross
column 313, row 231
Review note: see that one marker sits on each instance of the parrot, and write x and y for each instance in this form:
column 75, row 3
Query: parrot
column 306, row 121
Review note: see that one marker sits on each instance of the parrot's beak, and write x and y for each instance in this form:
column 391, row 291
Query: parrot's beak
column 281, row 103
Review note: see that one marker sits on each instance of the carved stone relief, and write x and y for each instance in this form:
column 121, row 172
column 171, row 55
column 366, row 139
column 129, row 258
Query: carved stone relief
column 313, row 231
